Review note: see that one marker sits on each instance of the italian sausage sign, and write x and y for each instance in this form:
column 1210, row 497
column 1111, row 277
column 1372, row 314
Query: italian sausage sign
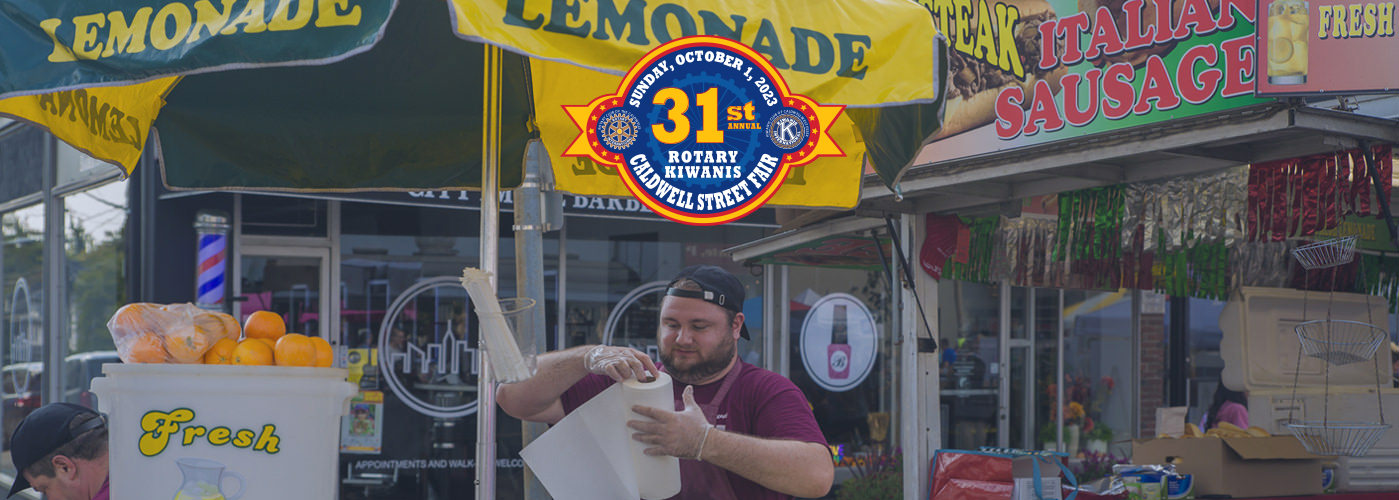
column 703, row 130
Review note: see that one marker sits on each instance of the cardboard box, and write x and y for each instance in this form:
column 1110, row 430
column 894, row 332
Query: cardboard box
column 1023, row 474
column 1238, row 467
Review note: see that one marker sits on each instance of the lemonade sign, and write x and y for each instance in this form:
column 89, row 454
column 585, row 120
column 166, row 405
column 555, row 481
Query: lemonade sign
column 1326, row 47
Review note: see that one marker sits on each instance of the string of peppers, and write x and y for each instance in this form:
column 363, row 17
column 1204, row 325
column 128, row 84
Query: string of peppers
column 982, row 231
column 1199, row 271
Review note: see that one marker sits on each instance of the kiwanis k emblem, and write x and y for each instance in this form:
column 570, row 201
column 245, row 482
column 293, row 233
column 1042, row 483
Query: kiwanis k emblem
column 703, row 130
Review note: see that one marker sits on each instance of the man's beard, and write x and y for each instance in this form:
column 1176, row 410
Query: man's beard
column 707, row 366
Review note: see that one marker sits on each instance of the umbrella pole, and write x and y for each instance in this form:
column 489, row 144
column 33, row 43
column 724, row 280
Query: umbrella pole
column 490, row 239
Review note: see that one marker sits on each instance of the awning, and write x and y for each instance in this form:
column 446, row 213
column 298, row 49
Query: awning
column 1180, row 147
column 292, row 97
column 843, row 242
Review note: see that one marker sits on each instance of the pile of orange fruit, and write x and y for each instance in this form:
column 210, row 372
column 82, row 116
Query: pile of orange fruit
column 266, row 342
column 183, row 333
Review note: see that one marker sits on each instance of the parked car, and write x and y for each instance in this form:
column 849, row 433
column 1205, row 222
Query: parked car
column 21, row 386
column 79, row 370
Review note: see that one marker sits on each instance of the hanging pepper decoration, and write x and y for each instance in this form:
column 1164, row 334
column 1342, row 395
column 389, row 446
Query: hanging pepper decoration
column 982, row 232
column 1200, row 271
column 1089, row 224
column 1297, row 197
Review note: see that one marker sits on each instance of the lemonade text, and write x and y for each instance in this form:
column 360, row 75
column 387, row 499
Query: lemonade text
column 106, row 34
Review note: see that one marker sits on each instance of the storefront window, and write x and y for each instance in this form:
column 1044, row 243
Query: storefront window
column 844, row 359
column 1206, row 365
column 21, row 161
column 287, row 285
column 617, row 273
column 417, row 379
column 75, row 167
column 95, row 248
column 412, row 257
column 284, row 216
column 22, row 324
column 1098, row 360
column 969, row 319
column 1046, row 348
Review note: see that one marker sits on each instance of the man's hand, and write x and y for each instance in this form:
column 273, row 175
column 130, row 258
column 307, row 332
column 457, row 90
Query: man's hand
column 620, row 363
column 678, row 434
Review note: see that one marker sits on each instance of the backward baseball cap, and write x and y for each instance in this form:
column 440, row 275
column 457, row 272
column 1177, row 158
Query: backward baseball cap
column 43, row 432
column 718, row 287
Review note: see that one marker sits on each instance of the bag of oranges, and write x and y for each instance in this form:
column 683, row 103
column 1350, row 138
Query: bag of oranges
column 176, row 333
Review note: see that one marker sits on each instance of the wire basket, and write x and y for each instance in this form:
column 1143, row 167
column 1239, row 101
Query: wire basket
column 1340, row 342
column 1328, row 253
column 1351, row 439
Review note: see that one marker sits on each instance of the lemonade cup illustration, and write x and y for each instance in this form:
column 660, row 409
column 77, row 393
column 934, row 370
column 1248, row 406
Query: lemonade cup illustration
column 203, row 480
column 1288, row 22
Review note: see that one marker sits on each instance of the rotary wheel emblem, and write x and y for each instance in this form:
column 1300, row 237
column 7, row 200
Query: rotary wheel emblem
column 618, row 129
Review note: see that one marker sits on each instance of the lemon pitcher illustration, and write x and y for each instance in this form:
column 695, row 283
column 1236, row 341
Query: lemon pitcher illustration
column 204, row 480
column 1288, row 24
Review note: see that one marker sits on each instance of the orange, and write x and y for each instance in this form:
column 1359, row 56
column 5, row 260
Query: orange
column 208, row 323
column 221, row 353
column 271, row 344
column 144, row 348
column 187, row 344
column 324, row 355
column 264, row 325
column 295, row 349
column 252, row 352
column 138, row 318
column 231, row 330
column 218, row 324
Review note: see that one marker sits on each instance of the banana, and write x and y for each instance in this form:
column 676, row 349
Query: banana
column 1257, row 431
column 1192, row 431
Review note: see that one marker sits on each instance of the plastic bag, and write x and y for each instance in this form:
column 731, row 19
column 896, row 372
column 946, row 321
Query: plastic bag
column 220, row 324
column 985, row 474
column 178, row 333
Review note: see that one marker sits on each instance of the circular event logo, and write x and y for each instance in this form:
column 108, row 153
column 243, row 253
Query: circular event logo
column 703, row 130
column 838, row 342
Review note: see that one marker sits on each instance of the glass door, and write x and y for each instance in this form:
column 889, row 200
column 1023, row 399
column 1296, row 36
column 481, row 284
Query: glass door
column 997, row 361
column 970, row 395
column 289, row 281
column 1018, row 378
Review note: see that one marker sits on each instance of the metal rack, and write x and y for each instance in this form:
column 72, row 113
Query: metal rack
column 1336, row 342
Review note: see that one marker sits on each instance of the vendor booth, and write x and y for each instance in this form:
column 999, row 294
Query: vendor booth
column 1074, row 264
column 379, row 98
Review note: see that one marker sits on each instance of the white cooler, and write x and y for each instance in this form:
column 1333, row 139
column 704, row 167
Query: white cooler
column 221, row 432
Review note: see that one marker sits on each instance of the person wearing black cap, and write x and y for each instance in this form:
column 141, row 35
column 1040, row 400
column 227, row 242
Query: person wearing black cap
column 60, row 450
column 743, row 432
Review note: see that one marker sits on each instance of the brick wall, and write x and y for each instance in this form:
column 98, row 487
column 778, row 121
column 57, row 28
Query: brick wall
column 1153, row 371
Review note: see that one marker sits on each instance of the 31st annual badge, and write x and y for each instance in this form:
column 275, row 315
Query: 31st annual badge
column 703, row 130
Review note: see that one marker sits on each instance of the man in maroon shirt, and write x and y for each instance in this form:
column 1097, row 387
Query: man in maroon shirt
column 61, row 451
column 739, row 431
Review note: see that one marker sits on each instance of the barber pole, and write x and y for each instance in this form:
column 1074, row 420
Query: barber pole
column 211, row 235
